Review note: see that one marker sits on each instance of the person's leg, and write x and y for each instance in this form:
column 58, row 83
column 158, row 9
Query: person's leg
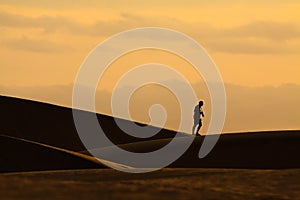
column 193, row 129
column 198, row 129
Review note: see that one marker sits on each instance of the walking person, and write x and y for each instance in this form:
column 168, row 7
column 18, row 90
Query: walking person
column 198, row 114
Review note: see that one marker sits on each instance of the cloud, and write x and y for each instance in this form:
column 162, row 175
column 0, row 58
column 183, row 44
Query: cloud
column 248, row 108
column 47, row 23
column 258, row 37
column 277, row 31
column 267, row 29
column 98, row 28
column 34, row 45
column 79, row 4
column 257, row 29
column 250, row 46
column 263, row 108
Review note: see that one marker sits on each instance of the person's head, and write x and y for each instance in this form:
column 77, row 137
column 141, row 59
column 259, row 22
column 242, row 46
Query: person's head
column 201, row 103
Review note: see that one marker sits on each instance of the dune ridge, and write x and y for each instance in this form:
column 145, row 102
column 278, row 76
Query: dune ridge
column 40, row 136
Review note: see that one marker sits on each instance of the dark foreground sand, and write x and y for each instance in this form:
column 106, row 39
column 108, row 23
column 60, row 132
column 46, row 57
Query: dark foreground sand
column 38, row 137
column 163, row 184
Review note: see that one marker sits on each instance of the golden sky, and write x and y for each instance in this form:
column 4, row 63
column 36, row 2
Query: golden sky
column 255, row 44
column 252, row 43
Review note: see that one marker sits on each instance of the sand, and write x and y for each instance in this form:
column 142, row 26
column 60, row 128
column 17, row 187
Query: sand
column 164, row 184
column 42, row 157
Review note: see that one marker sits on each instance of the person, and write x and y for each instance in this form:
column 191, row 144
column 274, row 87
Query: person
column 198, row 114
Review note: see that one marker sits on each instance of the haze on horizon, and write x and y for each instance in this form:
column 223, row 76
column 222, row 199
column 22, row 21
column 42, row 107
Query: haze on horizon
column 255, row 44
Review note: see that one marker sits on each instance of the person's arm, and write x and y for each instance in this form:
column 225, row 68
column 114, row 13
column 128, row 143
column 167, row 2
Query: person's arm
column 201, row 112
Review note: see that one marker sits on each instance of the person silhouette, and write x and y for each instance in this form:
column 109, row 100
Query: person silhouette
column 198, row 114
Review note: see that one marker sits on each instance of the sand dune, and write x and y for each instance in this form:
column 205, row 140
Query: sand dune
column 22, row 155
column 166, row 184
column 39, row 146
column 260, row 150
column 53, row 125
column 34, row 156
column 38, row 136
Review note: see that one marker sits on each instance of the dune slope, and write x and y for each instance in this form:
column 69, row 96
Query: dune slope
column 39, row 136
column 21, row 155
column 53, row 125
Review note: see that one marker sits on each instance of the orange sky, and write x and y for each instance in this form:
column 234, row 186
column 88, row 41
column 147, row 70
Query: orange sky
column 252, row 43
column 255, row 45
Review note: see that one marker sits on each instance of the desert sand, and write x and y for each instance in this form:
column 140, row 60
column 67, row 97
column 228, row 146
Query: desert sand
column 164, row 184
column 42, row 157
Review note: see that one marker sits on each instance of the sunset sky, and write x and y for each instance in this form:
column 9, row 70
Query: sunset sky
column 255, row 44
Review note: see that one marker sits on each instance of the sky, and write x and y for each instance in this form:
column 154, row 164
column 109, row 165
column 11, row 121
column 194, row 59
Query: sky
column 255, row 44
